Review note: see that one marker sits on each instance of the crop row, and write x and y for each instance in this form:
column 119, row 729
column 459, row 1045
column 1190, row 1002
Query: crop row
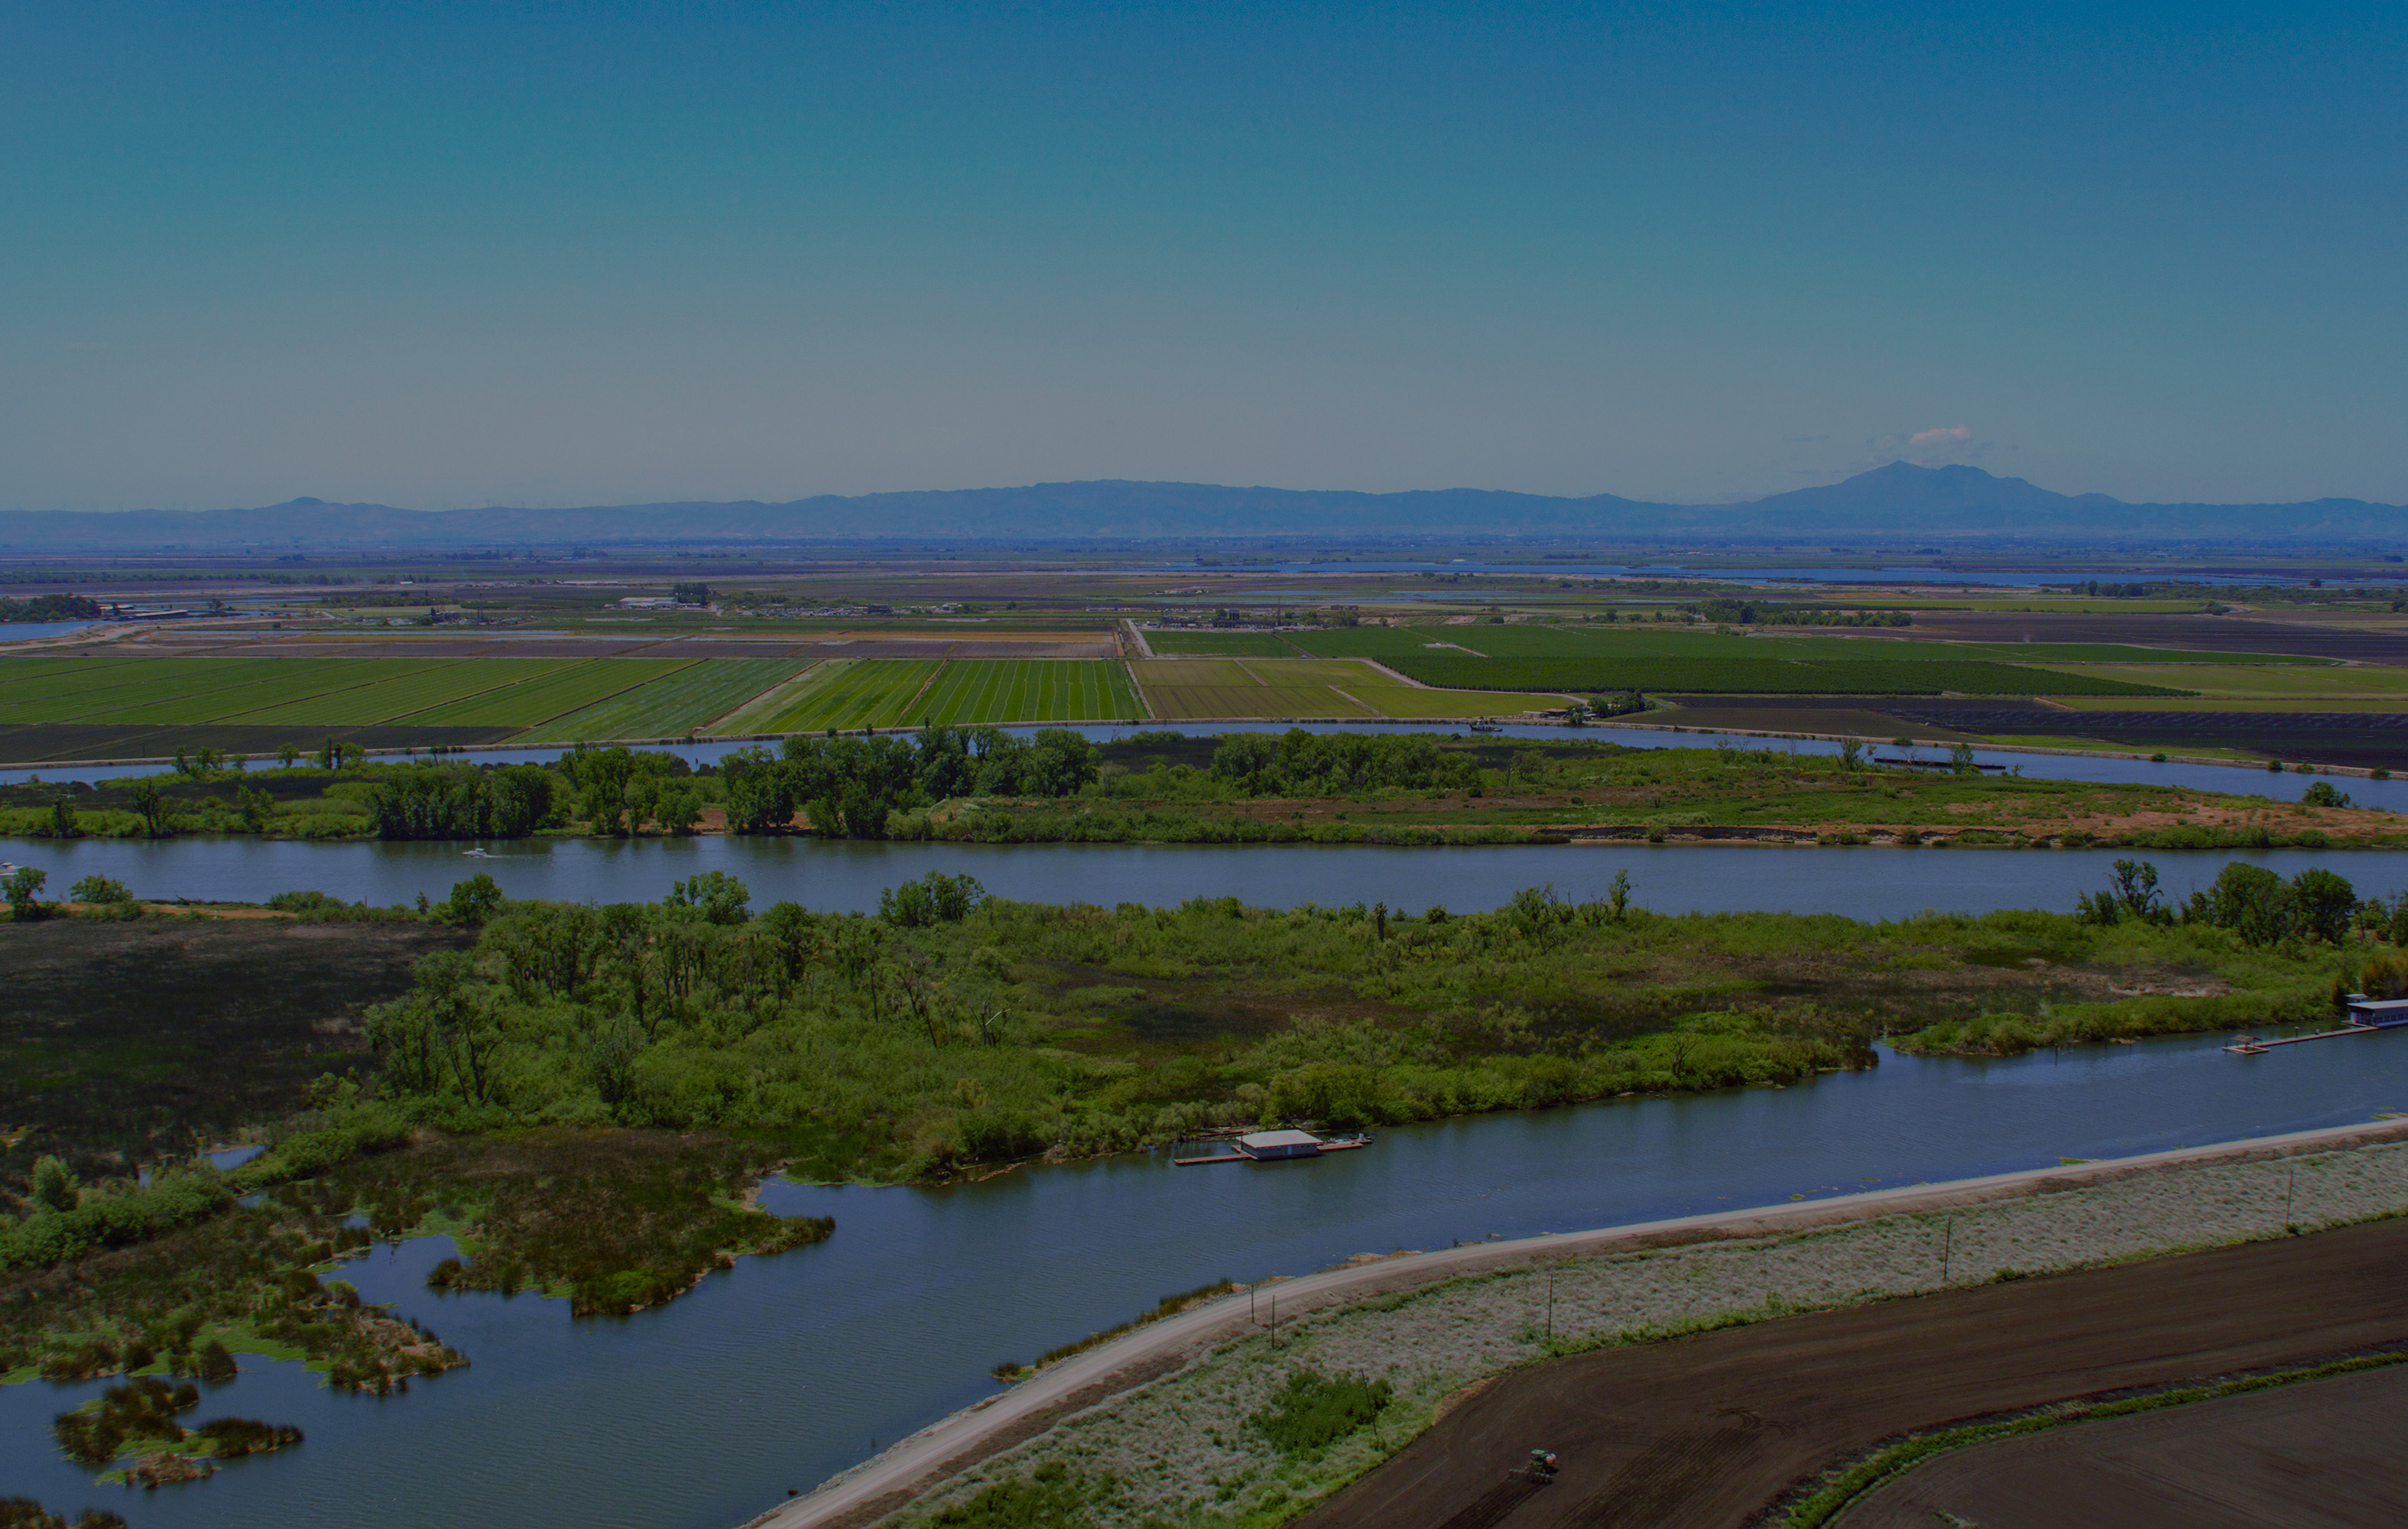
column 848, row 693
column 969, row 692
column 674, row 705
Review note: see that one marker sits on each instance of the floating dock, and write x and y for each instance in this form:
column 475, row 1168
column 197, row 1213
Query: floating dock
column 1276, row 1147
column 2366, row 1017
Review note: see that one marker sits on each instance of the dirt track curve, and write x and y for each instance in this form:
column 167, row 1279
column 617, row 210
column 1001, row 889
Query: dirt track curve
column 1711, row 1430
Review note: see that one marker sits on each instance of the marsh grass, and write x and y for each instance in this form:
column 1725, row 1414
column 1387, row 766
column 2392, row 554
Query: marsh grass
column 189, row 1299
column 614, row 1220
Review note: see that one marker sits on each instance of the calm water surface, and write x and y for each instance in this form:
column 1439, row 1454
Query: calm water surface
column 701, row 1413
column 1862, row 881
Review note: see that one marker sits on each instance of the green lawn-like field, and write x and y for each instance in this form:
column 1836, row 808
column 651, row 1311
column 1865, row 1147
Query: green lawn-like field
column 63, row 690
column 540, row 699
column 219, row 690
column 972, row 692
column 364, row 691
column 24, row 681
column 687, row 701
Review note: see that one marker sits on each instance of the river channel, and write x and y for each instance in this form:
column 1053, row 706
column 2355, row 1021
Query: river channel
column 776, row 1374
column 1861, row 881
column 701, row 1413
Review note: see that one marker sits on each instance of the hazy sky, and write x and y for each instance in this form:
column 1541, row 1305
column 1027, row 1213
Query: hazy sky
column 448, row 254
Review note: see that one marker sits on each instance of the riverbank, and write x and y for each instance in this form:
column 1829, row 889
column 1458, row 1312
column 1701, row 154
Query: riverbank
column 1157, row 1422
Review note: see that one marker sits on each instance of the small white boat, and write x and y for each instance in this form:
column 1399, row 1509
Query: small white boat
column 477, row 853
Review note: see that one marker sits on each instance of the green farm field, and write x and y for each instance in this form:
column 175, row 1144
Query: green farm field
column 690, row 700
column 843, row 693
column 1194, row 689
column 48, row 690
column 382, row 690
column 1033, row 690
column 255, row 692
column 544, row 696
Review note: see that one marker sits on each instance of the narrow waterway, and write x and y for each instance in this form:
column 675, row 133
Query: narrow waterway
column 699, row 1414
column 1862, row 881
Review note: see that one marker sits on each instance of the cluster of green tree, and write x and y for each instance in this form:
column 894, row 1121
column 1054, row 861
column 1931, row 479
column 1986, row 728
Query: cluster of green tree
column 2124, row 592
column 697, row 594
column 50, row 608
column 2258, row 906
column 1837, row 618
column 1301, row 764
column 618, row 789
column 853, row 786
column 463, row 802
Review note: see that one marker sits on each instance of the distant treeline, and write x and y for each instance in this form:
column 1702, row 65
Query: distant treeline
column 50, row 608
column 1749, row 613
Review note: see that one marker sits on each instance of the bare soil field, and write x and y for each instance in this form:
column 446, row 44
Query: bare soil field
column 1714, row 1429
column 2215, row 634
column 2317, row 1454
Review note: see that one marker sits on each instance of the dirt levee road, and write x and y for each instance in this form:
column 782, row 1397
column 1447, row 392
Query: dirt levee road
column 1708, row 1431
column 2321, row 1454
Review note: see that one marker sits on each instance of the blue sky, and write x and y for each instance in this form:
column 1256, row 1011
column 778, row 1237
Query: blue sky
column 451, row 254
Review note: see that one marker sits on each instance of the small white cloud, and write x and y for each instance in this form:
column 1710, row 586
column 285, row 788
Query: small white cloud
column 1946, row 436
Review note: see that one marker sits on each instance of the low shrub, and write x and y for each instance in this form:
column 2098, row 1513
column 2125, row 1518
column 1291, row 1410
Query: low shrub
column 1313, row 1411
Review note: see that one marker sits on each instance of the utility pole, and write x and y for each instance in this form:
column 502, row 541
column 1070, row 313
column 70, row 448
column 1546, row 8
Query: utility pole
column 1550, row 1306
column 2290, row 1180
column 1947, row 1246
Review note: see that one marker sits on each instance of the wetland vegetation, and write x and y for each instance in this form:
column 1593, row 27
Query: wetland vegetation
column 582, row 1096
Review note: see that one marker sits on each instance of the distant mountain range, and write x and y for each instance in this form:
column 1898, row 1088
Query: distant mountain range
column 1898, row 500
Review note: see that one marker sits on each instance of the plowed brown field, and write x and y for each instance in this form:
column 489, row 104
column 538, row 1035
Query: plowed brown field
column 1713, row 1430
